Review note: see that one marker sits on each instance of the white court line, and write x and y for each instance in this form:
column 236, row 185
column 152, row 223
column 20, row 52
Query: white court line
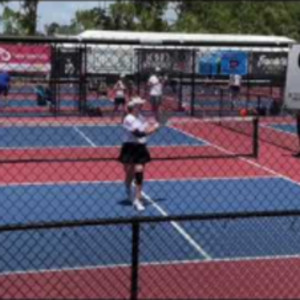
column 122, row 181
column 154, row 263
column 100, row 146
column 179, row 229
column 259, row 166
column 278, row 129
column 86, row 138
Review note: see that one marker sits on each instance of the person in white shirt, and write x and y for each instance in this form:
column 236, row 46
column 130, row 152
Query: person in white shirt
column 134, row 154
column 155, row 84
column 120, row 89
column 70, row 70
column 235, row 81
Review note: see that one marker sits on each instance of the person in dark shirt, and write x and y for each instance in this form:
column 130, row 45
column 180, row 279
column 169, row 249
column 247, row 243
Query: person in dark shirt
column 4, row 85
column 297, row 154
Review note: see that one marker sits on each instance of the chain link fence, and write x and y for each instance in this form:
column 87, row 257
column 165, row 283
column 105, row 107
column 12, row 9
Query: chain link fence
column 221, row 192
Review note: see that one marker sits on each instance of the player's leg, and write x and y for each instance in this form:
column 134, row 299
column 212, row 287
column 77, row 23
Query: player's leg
column 155, row 104
column 129, row 176
column 235, row 93
column 231, row 97
column 139, row 179
column 123, row 110
column 116, row 105
column 158, row 108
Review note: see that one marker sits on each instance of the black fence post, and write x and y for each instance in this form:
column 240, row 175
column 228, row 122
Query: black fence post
column 135, row 260
column 256, row 137
column 180, row 102
column 248, row 77
column 193, row 83
column 83, row 80
column 138, row 75
column 221, row 102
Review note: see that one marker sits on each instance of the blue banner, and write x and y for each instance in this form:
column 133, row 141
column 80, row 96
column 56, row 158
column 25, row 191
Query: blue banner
column 223, row 63
column 234, row 62
column 210, row 64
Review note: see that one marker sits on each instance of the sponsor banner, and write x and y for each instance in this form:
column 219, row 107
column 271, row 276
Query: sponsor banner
column 67, row 63
column 25, row 58
column 234, row 62
column 223, row 63
column 168, row 60
column 209, row 63
column 269, row 63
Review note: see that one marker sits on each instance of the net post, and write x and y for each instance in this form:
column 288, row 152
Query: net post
column 135, row 260
column 255, row 137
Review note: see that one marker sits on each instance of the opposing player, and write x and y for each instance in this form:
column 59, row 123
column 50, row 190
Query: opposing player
column 4, row 85
column 235, row 81
column 134, row 154
column 155, row 84
column 102, row 89
column 120, row 90
column 69, row 70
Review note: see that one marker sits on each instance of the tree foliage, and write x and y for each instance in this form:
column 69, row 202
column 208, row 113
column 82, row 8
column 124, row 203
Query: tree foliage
column 265, row 17
column 131, row 15
column 245, row 17
column 22, row 22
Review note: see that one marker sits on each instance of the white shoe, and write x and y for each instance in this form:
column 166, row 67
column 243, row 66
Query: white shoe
column 138, row 205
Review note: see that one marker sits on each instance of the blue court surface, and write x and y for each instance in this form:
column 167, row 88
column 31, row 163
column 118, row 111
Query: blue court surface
column 84, row 136
column 102, row 103
column 111, row 245
column 226, row 103
column 287, row 128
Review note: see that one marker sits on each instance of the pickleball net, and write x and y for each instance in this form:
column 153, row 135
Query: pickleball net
column 85, row 139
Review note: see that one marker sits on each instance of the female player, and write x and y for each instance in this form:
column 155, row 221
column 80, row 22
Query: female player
column 120, row 89
column 134, row 153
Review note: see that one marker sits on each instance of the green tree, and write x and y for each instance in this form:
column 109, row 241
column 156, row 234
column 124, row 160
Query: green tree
column 95, row 18
column 245, row 17
column 52, row 29
column 21, row 22
column 69, row 29
column 10, row 22
column 150, row 15
column 28, row 18
column 122, row 16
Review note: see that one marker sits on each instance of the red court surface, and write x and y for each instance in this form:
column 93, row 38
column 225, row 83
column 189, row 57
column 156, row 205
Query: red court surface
column 269, row 278
column 237, row 279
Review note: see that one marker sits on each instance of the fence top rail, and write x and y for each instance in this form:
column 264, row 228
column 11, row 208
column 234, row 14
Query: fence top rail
column 148, row 219
column 175, row 41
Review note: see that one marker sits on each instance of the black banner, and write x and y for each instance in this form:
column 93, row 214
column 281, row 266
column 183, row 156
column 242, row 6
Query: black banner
column 268, row 63
column 168, row 60
column 66, row 63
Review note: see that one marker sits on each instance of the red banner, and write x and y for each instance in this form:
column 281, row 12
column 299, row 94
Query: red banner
column 25, row 58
